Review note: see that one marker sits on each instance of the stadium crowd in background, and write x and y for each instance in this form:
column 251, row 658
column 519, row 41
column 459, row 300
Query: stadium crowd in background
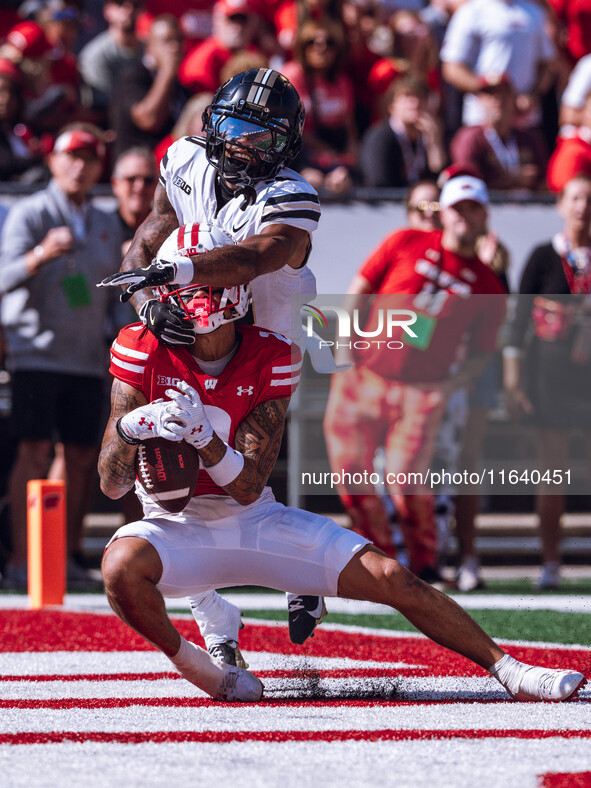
column 358, row 65
column 392, row 93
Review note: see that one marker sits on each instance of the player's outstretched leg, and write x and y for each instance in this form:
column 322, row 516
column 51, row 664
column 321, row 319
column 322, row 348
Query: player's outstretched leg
column 131, row 569
column 372, row 576
column 304, row 615
column 219, row 622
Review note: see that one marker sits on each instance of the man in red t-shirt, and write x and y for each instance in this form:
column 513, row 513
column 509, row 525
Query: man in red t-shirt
column 396, row 393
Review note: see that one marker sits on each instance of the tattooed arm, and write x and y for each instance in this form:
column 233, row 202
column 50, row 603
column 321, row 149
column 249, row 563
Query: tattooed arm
column 258, row 438
column 116, row 465
column 148, row 238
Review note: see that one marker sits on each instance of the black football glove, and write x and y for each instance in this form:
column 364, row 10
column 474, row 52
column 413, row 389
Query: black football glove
column 158, row 273
column 166, row 322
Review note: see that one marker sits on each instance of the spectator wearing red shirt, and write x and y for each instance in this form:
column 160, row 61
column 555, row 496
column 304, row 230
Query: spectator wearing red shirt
column 574, row 20
column 194, row 18
column 330, row 147
column 49, row 104
column 505, row 157
column 234, row 30
column 396, row 398
column 572, row 155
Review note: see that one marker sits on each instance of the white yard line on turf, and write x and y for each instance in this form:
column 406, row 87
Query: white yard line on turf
column 565, row 603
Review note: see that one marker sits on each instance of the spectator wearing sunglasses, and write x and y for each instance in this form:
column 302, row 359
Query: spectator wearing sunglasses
column 330, row 145
column 133, row 182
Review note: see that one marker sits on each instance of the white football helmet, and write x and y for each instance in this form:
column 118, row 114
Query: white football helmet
column 199, row 302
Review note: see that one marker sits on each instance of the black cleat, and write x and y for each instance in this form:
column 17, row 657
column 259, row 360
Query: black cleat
column 229, row 653
column 305, row 613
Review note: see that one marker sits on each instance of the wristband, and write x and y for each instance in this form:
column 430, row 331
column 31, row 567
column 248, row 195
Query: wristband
column 184, row 270
column 228, row 468
column 124, row 436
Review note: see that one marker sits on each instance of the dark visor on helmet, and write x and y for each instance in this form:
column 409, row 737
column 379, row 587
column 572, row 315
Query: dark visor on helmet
column 236, row 131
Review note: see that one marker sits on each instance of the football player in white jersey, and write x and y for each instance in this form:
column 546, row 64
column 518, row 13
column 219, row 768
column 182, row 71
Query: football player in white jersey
column 235, row 178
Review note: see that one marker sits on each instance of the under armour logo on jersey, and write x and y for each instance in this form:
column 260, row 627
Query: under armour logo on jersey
column 244, row 390
column 211, row 383
column 149, row 424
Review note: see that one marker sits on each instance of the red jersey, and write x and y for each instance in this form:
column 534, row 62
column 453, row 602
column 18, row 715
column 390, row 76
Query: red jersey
column 441, row 288
column 571, row 156
column 265, row 367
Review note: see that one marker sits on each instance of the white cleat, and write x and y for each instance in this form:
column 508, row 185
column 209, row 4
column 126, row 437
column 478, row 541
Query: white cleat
column 546, row 684
column 239, row 685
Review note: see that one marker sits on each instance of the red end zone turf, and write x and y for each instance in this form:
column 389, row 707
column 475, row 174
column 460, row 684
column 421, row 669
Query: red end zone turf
column 53, row 630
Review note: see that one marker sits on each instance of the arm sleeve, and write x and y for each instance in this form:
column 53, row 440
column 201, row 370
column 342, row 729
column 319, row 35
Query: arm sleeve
column 579, row 84
column 283, row 369
column 484, row 337
column 461, row 41
column 380, row 159
column 568, row 159
column 130, row 358
column 530, row 284
column 375, row 267
column 19, row 236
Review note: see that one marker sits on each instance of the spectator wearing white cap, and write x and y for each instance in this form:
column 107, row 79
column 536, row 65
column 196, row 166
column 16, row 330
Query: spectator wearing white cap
column 55, row 246
column 396, row 399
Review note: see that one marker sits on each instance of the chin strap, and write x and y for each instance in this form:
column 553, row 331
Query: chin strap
column 249, row 195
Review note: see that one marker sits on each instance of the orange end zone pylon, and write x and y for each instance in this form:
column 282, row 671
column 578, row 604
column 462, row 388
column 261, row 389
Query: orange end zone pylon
column 46, row 519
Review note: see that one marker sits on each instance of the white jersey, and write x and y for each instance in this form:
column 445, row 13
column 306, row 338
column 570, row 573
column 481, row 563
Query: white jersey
column 189, row 181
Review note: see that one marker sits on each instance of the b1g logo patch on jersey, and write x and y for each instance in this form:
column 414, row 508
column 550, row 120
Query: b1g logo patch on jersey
column 178, row 181
column 166, row 380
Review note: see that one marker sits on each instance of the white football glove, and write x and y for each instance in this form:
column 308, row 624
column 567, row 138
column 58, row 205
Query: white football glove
column 154, row 420
column 188, row 410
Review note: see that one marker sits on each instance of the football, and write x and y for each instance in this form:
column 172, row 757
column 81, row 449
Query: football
column 168, row 472
column 191, row 239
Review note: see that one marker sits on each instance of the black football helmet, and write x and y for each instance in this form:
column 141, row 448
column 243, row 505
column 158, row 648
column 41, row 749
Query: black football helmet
column 253, row 126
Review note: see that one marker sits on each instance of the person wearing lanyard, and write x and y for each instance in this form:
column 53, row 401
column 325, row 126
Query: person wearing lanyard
column 505, row 156
column 551, row 383
column 55, row 244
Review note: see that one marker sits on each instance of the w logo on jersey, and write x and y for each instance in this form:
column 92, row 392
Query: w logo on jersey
column 240, row 390
column 211, row 383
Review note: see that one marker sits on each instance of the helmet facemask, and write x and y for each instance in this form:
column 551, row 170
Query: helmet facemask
column 199, row 304
column 246, row 151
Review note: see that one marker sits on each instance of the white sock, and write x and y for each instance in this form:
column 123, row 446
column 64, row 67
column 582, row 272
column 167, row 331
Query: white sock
column 508, row 672
column 218, row 620
column 198, row 667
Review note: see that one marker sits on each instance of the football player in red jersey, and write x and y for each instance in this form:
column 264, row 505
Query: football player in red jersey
column 233, row 532
column 396, row 399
